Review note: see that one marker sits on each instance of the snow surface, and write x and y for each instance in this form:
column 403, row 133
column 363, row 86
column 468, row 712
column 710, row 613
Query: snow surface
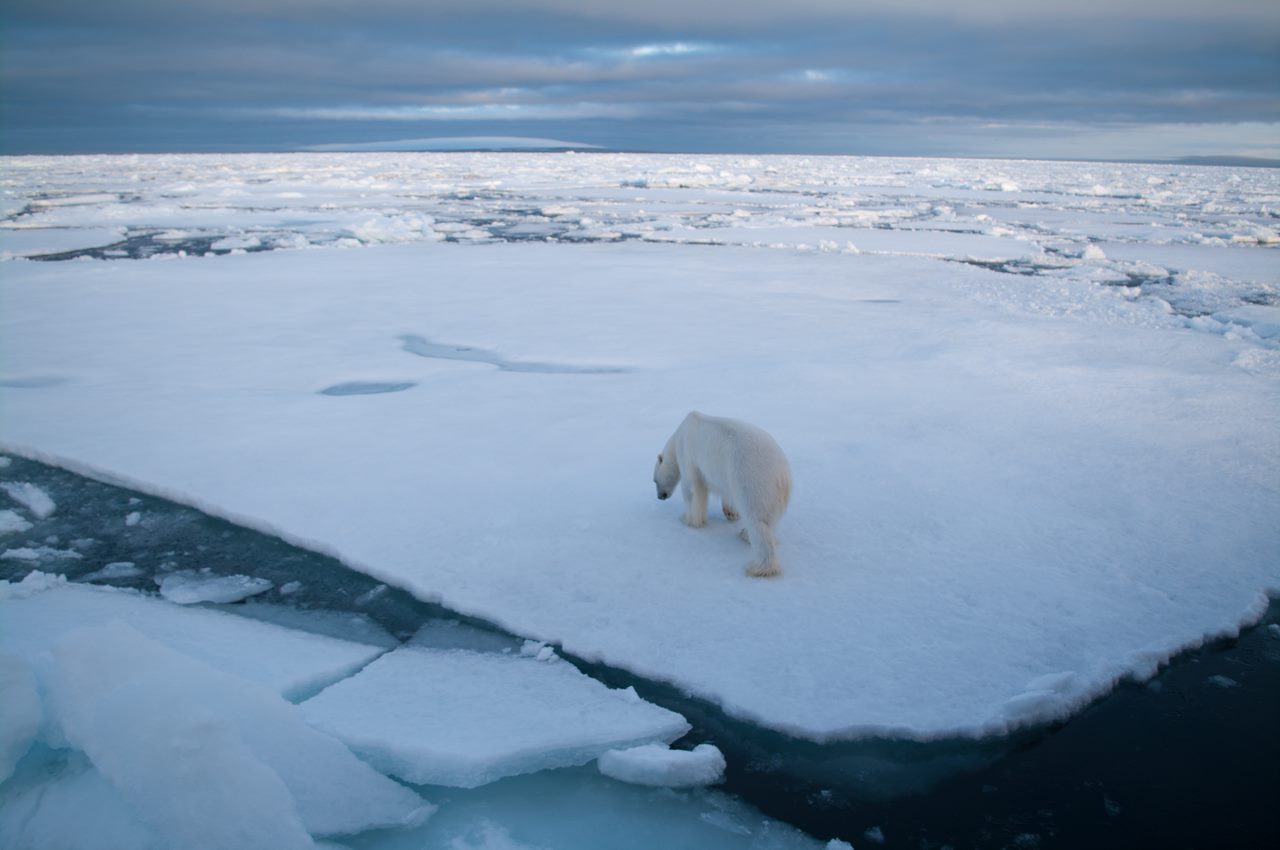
column 464, row 718
column 1023, row 469
column 290, row 663
column 654, row 764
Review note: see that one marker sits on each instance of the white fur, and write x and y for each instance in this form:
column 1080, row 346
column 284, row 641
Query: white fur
column 742, row 465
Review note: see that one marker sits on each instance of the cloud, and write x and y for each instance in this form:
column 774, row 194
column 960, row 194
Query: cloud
column 669, row 73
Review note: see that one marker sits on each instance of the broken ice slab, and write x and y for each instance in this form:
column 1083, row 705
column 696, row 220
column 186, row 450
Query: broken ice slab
column 291, row 663
column 188, row 587
column 206, row 758
column 654, row 764
column 463, row 718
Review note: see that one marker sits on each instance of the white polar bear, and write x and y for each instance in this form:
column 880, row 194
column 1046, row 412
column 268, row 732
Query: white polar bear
column 742, row 465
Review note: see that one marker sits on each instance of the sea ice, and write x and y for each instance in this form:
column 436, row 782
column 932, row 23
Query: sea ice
column 463, row 718
column 188, row 587
column 654, row 764
column 207, row 758
column 31, row 497
column 36, row 612
column 114, row 570
column 20, row 711
column 10, row 522
column 579, row 808
column 1010, row 460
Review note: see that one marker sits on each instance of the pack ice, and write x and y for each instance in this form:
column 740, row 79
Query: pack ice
column 1029, row 407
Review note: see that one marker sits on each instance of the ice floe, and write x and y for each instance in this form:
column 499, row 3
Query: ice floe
column 1014, row 456
column 465, row 718
column 187, row 587
column 654, row 764
column 36, row 612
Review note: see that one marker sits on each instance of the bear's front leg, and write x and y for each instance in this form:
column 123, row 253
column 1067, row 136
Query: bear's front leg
column 729, row 512
column 694, row 490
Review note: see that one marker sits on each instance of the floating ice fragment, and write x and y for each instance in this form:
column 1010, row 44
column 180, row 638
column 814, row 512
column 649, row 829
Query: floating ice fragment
column 133, row 518
column 40, row 553
column 538, row 650
column 31, row 497
column 10, row 522
column 366, row 598
column 655, row 764
column 460, row 718
column 187, row 587
column 1223, row 682
column 114, row 570
column 290, row 587
column 875, row 835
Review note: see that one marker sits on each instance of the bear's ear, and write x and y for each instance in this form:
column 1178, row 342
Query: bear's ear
column 659, row 458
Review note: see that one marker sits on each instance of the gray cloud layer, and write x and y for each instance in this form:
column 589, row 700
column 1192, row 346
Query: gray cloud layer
column 911, row 76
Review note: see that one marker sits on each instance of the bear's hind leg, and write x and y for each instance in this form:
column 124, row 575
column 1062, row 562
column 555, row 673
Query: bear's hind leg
column 729, row 512
column 764, row 546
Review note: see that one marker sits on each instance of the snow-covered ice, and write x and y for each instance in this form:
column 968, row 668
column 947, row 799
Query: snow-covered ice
column 1014, row 457
column 654, row 764
column 465, row 718
column 187, row 587
column 291, row 663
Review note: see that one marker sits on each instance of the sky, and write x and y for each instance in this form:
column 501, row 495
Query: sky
column 1088, row 79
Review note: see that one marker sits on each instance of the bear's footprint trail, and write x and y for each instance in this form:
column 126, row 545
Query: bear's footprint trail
column 424, row 347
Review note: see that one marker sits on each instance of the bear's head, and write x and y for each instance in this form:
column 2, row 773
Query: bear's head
column 666, row 474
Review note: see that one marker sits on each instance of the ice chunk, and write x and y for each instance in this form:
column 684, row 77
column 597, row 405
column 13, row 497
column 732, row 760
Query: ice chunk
column 10, row 522
column 209, row 759
column 41, row 608
column 38, row 554
column 31, row 497
column 654, row 764
column 20, row 711
column 33, row 583
column 67, row 803
column 114, row 570
column 461, row 718
column 187, row 587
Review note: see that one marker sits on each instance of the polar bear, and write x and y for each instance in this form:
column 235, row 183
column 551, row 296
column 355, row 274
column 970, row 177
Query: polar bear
column 742, row 465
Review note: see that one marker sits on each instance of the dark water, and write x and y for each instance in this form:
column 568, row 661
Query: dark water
column 1190, row 759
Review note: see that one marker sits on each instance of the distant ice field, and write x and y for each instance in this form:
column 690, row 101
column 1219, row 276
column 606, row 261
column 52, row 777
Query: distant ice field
column 1030, row 408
